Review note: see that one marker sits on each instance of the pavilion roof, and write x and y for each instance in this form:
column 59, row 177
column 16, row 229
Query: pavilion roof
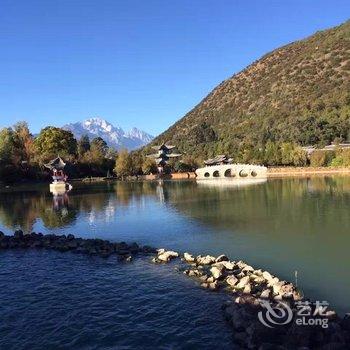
column 218, row 160
column 163, row 146
column 56, row 163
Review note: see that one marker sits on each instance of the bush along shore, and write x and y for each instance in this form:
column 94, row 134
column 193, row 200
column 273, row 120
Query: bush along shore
column 263, row 311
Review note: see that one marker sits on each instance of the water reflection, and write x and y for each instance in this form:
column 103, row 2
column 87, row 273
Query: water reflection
column 227, row 183
column 229, row 204
column 281, row 225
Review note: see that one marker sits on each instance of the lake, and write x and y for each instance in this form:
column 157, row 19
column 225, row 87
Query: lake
column 294, row 226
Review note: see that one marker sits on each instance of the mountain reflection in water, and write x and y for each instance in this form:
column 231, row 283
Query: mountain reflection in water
column 282, row 225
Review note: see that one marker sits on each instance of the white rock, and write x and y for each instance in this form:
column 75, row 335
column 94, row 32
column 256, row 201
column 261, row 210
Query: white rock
column 243, row 282
column 167, row 255
column 231, row 280
column 265, row 294
column 267, row 276
column 205, row 260
column 210, row 279
column 221, row 258
column 217, row 271
column 247, row 289
column 188, row 257
column 228, row 265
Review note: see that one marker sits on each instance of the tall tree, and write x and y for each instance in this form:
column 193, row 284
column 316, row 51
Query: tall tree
column 83, row 146
column 24, row 142
column 7, row 145
column 123, row 165
column 53, row 141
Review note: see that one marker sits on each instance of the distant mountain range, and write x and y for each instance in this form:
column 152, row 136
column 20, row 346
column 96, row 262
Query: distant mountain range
column 115, row 136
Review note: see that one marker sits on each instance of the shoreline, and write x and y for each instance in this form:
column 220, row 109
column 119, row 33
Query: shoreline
column 272, row 172
column 253, row 291
column 306, row 171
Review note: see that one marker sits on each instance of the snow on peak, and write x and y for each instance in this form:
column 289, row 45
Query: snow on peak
column 115, row 136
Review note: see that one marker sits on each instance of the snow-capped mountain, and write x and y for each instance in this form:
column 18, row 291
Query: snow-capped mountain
column 115, row 136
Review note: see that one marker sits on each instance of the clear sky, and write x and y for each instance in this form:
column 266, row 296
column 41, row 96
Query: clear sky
column 141, row 63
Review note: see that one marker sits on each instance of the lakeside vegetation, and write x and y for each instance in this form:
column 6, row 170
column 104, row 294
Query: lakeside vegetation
column 22, row 156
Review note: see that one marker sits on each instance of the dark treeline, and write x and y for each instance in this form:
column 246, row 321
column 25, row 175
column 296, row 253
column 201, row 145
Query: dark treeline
column 22, row 156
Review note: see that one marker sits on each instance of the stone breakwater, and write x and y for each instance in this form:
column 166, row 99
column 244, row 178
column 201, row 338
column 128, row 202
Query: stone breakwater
column 65, row 243
column 249, row 290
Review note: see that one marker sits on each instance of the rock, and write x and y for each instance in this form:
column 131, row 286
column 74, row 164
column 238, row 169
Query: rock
column 2, row 235
column 221, row 258
column 228, row 265
column 18, row 234
column 242, row 282
column 214, row 285
column 134, row 248
column 210, row 279
column 194, row 273
column 240, row 275
column 217, row 271
column 270, row 346
column 345, row 322
column 277, row 286
column 257, row 279
column 265, row 294
column 231, row 280
column 148, row 250
column 248, row 268
column 205, row 260
column 247, row 289
column 334, row 346
column 267, row 276
column 167, row 255
column 189, row 257
column 70, row 237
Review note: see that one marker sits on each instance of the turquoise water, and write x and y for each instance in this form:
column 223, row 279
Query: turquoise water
column 283, row 225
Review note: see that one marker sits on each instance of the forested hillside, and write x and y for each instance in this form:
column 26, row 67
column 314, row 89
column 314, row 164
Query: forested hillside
column 299, row 93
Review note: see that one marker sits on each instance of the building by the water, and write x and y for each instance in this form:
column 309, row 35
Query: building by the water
column 59, row 184
column 162, row 156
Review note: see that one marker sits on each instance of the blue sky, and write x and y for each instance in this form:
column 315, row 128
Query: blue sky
column 136, row 62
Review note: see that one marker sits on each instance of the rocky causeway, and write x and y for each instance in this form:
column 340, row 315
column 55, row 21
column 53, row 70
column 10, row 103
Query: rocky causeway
column 263, row 311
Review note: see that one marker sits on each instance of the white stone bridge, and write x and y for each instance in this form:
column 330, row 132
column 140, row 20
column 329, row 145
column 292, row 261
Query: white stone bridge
column 234, row 171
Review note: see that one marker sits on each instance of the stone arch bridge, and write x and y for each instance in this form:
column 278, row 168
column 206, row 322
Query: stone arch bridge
column 234, row 171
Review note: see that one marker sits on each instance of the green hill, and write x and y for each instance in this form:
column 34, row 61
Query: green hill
column 298, row 93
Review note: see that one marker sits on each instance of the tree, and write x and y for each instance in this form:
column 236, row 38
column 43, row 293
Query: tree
column 272, row 153
column 24, row 142
column 149, row 166
column 318, row 158
column 123, row 165
column 83, row 145
column 53, row 141
column 7, row 146
column 98, row 144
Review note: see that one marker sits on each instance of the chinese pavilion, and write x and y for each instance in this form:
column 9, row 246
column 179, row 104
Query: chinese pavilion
column 218, row 160
column 59, row 183
column 57, row 166
column 163, row 154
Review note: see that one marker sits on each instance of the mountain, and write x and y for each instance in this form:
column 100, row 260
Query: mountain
column 298, row 93
column 115, row 136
